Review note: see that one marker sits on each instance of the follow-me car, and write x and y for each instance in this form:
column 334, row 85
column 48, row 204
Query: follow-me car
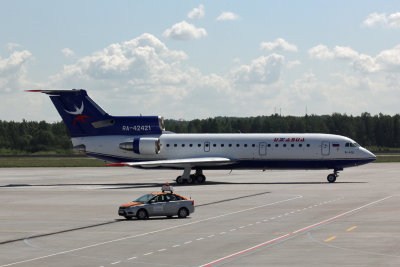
column 157, row 204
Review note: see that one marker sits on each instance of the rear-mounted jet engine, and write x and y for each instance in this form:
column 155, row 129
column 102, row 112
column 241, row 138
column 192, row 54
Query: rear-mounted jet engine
column 143, row 146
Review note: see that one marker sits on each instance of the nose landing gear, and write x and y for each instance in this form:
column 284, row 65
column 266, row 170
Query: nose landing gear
column 332, row 177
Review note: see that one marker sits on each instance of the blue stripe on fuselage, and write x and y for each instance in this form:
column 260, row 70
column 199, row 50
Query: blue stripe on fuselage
column 260, row 164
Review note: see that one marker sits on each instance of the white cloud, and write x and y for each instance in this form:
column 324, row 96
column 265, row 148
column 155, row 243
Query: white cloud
column 197, row 12
column 374, row 19
column 226, row 15
column 278, row 44
column 339, row 52
column 67, row 52
column 387, row 60
column 343, row 52
column 292, row 64
column 394, row 20
column 391, row 21
column 143, row 58
column 13, row 46
column 321, row 52
column 13, row 71
column 264, row 70
column 184, row 31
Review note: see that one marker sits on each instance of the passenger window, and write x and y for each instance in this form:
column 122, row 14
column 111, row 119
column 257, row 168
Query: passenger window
column 245, row 145
column 308, row 145
column 276, row 145
column 253, row 145
column 167, row 145
column 170, row 197
column 191, row 145
column 292, row 145
column 199, row 145
column 347, row 145
column 269, row 145
column 177, row 197
column 284, row 145
column 237, row 145
column 214, row 145
column 300, row 145
column 222, row 145
column 183, row 145
column 206, row 145
column 230, row 145
column 160, row 198
column 175, row 145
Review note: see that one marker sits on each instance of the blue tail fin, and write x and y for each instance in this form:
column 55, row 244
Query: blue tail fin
column 83, row 117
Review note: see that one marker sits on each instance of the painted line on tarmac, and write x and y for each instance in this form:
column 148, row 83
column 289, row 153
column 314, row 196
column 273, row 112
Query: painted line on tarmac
column 148, row 233
column 352, row 228
column 231, row 257
column 330, row 238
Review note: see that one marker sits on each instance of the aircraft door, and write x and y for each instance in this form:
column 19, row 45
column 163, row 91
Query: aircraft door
column 207, row 146
column 262, row 149
column 325, row 148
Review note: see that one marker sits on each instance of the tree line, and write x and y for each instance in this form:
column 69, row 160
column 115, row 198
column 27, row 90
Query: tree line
column 378, row 130
column 31, row 137
column 371, row 131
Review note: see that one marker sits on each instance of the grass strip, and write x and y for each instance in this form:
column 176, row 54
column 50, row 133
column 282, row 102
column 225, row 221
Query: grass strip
column 50, row 161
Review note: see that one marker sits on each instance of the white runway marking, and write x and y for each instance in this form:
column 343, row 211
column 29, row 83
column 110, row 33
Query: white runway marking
column 218, row 261
column 148, row 233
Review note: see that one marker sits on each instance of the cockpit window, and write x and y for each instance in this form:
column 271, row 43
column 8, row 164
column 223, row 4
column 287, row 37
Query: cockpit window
column 352, row 145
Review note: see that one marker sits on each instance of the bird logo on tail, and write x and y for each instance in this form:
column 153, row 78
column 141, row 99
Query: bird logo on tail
column 78, row 111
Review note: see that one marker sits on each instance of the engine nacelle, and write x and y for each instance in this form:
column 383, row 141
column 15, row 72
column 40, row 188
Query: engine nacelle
column 143, row 146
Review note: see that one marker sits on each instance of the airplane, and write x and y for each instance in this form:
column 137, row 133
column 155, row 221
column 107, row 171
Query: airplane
column 143, row 142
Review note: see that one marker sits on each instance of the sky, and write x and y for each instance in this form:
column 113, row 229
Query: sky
column 199, row 59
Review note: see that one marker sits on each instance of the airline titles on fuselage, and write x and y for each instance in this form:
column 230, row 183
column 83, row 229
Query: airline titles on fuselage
column 293, row 139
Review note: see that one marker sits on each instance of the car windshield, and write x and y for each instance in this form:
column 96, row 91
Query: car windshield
column 144, row 198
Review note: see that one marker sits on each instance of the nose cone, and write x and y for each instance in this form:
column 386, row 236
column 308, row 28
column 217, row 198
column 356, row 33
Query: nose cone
column 367, row 155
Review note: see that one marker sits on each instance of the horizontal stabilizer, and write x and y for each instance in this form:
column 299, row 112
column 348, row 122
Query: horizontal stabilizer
column 178, row 163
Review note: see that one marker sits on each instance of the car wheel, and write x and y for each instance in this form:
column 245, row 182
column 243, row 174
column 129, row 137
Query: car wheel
column 183, row 213
column 141, row 214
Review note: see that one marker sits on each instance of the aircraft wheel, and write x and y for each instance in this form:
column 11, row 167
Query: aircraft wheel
column 180, row 180
column 200, row 179
column 331, row 178
column 190, row 180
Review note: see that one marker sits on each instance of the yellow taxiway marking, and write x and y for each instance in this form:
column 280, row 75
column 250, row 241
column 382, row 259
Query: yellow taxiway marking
column 351, row 228
column 330, row 238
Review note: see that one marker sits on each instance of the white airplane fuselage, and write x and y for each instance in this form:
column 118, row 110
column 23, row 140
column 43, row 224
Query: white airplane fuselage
column 247, row 151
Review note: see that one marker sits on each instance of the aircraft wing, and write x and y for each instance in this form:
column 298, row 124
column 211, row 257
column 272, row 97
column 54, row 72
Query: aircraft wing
column 179, row 163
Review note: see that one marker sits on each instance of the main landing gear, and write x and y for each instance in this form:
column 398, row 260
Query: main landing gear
column 197, row 177
column 332, row 177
